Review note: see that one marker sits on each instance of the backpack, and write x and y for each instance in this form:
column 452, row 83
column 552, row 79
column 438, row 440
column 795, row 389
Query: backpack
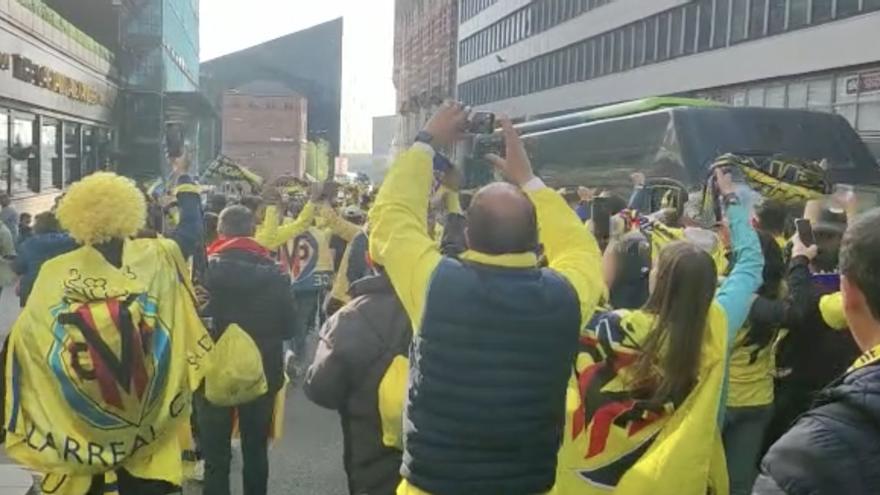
column 235, row 375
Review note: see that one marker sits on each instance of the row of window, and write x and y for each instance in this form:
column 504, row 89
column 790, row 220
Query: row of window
column 696, row 27
column 534, row 18
column 469, row 8
column 843, row 94
column 41, row 153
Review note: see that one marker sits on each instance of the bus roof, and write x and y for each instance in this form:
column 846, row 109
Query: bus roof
column 612, row 111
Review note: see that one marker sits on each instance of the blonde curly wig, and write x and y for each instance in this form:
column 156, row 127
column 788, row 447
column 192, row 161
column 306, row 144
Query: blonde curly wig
column 101, row 207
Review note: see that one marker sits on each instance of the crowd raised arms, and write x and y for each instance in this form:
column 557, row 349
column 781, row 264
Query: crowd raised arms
column 571, row 342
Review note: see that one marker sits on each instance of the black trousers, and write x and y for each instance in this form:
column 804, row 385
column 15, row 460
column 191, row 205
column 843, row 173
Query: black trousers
column 129, row 485
column 215, row 432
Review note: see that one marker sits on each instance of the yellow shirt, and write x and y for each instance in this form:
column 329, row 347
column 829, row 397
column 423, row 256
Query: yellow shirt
column 751, row 373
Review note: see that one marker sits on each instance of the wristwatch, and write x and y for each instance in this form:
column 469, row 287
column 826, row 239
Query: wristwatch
column 425, row 137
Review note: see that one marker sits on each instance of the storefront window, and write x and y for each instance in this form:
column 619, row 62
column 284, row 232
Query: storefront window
column 50, row 156
column 24, row 168
column 756, row 97
column 89, row 150
column 869, row 111
column 72, row 153
column 775, row 97
column 797, row 95
column 4, row 156
column 820, row 94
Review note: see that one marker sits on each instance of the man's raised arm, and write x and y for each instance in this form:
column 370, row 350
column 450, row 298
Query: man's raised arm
column 398, row 235
column 570, row 248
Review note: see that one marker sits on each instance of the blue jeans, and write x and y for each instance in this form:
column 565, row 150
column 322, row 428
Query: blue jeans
column 306, row 305
column 744, row 429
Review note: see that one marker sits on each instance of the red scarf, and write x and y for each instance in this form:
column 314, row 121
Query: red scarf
column 240, row 243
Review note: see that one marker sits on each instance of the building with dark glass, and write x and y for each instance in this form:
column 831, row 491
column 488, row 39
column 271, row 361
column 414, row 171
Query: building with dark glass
column 162, row 111
column 538, row 57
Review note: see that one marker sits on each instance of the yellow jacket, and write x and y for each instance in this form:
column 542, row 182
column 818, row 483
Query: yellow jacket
column 272, row 234
column 347, row 231
column 399, row 241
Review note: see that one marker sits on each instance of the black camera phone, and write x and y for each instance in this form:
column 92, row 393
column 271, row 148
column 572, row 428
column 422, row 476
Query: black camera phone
column 601, row 218
column 805, row 232
column 482, row 123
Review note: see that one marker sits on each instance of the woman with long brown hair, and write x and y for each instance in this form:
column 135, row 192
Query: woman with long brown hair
column 646, row 400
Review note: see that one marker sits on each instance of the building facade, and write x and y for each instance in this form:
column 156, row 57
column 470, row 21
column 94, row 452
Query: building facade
column 266, row 131
column 58, row 90
column 162, row 109
column 530, row 58
column 425, row 34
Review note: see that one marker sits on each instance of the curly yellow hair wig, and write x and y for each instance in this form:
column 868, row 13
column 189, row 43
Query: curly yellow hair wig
column 101, row 207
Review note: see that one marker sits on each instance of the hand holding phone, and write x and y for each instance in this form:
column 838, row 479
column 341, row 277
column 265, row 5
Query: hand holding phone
column 481, row 123
column 805, row 232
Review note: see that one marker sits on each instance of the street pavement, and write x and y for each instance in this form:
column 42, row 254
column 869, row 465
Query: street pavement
column 307, row 461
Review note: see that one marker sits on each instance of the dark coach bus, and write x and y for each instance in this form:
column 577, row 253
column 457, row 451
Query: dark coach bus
column 678, row 139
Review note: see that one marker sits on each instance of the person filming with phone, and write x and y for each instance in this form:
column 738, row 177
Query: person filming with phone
column 494, row 335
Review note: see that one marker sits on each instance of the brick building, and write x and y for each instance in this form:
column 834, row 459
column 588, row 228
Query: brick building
column 266, row 130
column 425, row 37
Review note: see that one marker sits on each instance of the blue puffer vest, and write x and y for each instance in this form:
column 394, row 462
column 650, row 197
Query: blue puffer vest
column 486, row 408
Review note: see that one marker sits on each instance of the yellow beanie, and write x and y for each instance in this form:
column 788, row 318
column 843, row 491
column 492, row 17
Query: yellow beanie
column 101, row 207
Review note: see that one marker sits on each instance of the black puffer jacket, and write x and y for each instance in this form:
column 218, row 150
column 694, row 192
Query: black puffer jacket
column 833, row 449
column 252, row 291
column 357, row 346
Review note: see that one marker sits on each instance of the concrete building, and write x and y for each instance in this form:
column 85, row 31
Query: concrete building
column 424, row 60
column 59, row 83
column 265, row 130
column 531, row 58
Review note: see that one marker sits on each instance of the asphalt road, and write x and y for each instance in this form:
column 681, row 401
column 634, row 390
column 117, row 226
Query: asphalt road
column 307, row 461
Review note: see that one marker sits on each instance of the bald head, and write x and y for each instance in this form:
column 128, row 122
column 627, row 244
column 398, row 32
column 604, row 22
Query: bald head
column 502, row 220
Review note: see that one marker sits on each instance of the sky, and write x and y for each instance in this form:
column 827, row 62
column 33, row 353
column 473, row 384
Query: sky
column 367, row 61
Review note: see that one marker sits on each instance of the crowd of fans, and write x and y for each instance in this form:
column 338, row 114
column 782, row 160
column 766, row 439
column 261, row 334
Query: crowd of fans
column 534, row 342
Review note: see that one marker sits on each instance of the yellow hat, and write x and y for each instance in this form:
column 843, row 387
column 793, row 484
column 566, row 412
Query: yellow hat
column 101, row 207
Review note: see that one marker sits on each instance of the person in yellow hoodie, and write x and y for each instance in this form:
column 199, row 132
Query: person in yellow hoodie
column 494, row 335
column 645, row 406
column 100, row 366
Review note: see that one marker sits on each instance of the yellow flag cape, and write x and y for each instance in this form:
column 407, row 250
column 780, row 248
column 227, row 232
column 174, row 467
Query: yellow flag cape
column 611, row 445
column 101, row 367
